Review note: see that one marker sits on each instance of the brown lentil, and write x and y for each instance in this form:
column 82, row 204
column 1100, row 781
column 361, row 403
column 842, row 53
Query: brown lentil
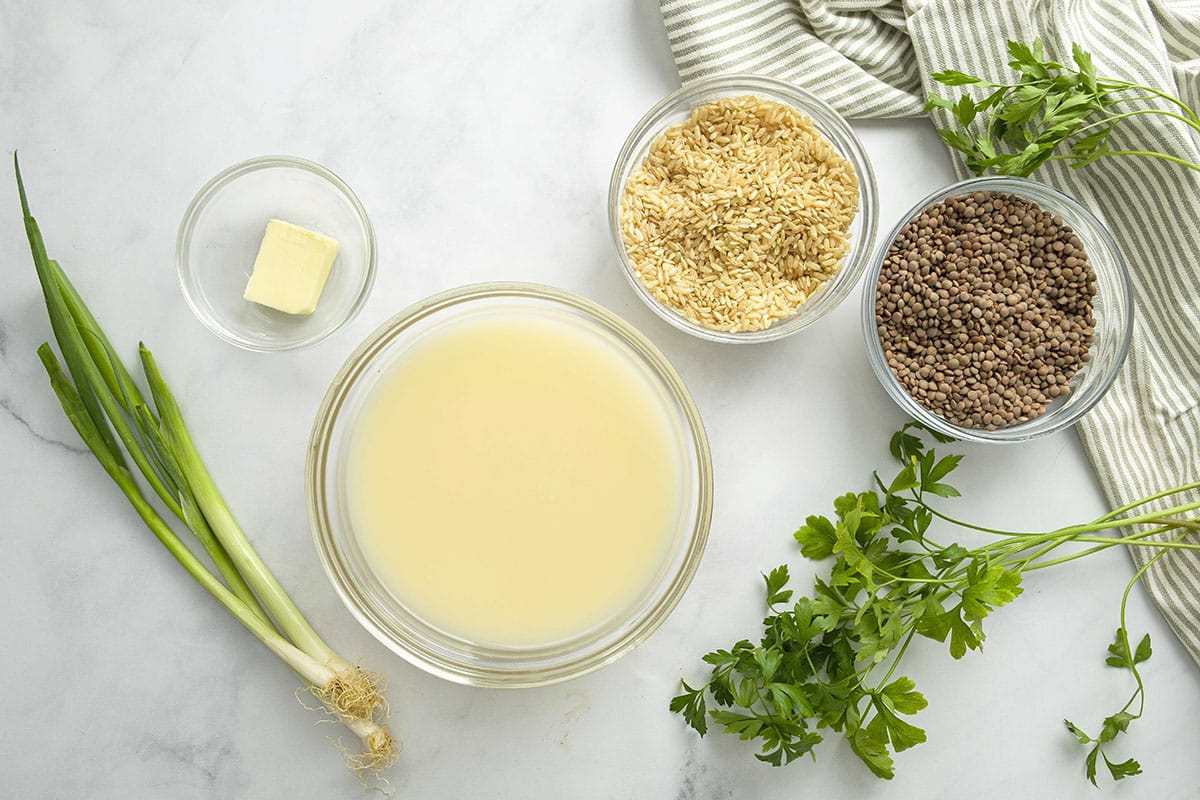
column 984, row 309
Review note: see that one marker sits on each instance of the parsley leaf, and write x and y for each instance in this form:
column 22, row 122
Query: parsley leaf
column 1119, row 654
column 775, row 583
column 904, row 697
column 1125, row 769
column 816, row 537
column 952, row 77
column 691, row 705
column 872, row 747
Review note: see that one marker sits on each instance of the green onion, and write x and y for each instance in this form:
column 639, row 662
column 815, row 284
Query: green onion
column 110, row 414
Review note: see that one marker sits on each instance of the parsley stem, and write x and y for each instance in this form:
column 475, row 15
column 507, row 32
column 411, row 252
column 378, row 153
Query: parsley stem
column 1047, row 542
column 1146, row 153
column 1131, row 542
column 1140, row 694
column 1103, row 544
column 1074, row 531
column 971, row 526
column 1141, row 112
column 1126, row 85
column 1154, row 516
column 912, row 631
column 1106, row 543
column 1064, row 559
column 897, row 579
column 1182, row 523
column 1116, row 512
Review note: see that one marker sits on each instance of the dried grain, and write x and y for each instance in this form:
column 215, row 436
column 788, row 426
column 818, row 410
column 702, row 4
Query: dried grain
column 738, row 216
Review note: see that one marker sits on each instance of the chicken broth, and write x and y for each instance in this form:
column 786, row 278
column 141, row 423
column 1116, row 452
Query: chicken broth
column 517, row 478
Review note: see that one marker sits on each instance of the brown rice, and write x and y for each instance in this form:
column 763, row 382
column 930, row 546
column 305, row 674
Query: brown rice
column 737, row 216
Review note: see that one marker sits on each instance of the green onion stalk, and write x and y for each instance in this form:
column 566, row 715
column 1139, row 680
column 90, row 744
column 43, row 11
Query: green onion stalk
column 113, row 418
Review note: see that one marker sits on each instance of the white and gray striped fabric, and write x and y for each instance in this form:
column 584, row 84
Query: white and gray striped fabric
column 873, row 58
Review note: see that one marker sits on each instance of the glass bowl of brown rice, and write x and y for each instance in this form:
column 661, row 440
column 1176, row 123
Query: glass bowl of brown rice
column 742, row 208
column 998, row 309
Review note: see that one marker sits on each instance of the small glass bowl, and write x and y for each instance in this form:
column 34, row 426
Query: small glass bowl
column 223, row 227
column 677, row 108
column 423, row 644
column 1112, row 311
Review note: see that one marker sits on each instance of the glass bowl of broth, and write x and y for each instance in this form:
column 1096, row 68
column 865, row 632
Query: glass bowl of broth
column 509, row 485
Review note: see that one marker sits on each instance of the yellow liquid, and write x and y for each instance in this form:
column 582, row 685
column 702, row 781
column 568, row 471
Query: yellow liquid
column 516, row 479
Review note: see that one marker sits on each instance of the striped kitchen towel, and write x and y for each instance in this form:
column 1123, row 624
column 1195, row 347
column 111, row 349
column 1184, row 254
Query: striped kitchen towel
column 873, row 58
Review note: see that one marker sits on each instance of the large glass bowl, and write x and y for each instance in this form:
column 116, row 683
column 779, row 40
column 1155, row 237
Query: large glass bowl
column 1112, row 312
column 677, row 108
column 385, row 616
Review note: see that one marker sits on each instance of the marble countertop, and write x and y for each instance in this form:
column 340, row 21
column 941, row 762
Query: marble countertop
column 480, row 137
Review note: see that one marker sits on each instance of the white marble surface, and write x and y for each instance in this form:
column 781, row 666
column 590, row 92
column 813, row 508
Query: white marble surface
column 480, row 137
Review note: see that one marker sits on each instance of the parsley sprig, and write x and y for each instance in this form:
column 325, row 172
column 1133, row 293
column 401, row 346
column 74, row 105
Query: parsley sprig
column 829, row 661
column 1023, row 124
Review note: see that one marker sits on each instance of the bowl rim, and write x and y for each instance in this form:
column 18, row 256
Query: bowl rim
column 204, row 197
column 837, row 288
column 1028, row 430
column 666, row 593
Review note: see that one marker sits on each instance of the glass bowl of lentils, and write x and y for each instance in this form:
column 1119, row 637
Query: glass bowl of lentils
column 742, row 208
column 997, row 310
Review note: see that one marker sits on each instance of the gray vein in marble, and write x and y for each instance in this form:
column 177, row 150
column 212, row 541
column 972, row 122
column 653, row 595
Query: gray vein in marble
column 689, row 774
column 7, row 406
column 207, row 759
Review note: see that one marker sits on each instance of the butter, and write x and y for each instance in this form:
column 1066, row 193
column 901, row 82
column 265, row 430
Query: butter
column 291, row 268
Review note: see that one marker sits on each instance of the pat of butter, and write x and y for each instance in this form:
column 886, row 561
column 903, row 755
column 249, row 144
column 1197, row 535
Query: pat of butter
column 291, row 268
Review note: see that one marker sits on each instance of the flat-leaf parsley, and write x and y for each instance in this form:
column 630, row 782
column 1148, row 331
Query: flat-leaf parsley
column 829, row 661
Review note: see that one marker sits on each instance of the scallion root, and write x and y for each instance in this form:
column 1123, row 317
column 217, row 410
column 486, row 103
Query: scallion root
column 379, row 750
column 354, row 693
